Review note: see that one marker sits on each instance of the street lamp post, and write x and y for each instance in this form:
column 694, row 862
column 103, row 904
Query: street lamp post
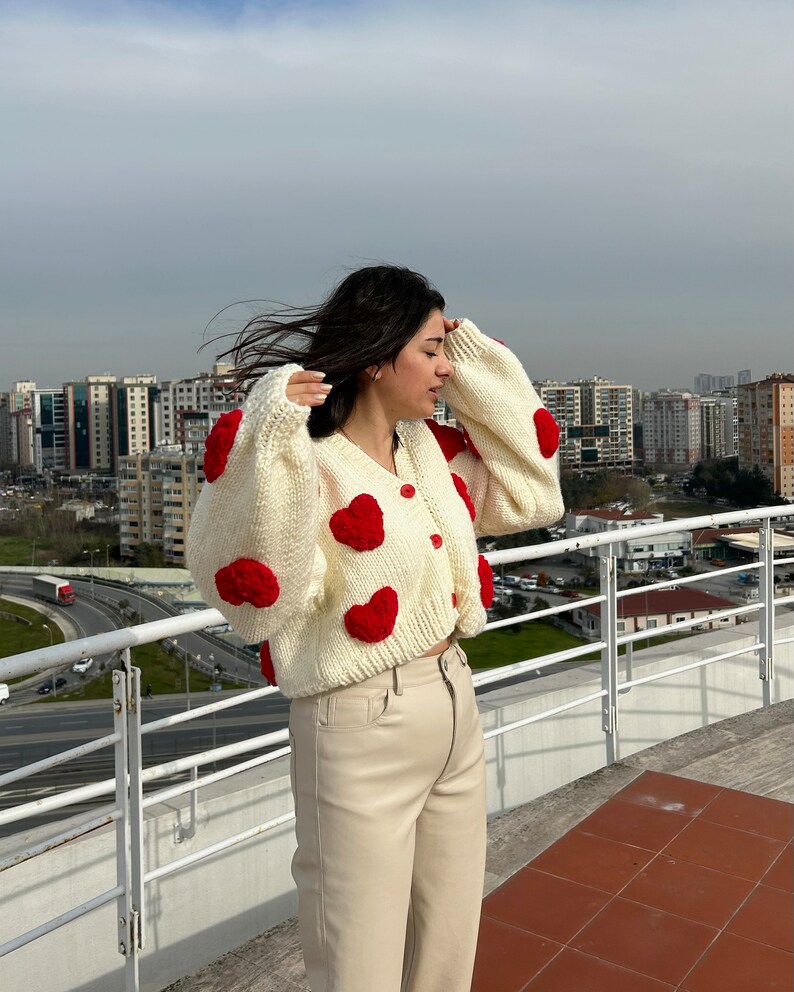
column 91, row 557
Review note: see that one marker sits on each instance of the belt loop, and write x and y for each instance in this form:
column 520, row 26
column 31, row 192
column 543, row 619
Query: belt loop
column 398, row 681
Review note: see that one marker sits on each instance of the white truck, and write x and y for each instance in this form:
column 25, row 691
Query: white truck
column 53, row 589
column 4, row 693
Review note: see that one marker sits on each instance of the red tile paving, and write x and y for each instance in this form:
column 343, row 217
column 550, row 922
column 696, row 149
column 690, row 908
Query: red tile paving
column 671, row 886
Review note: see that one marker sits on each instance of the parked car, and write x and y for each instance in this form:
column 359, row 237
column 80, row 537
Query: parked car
column 5, row 692
column 527, row 585
column 719, row 562
column 569, row 593
column 82, row 665
column 45, row 690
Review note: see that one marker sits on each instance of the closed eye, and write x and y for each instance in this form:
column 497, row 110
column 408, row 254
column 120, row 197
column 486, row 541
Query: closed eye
column 432, row 354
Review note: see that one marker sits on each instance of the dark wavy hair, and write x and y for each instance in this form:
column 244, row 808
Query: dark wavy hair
column 367, row 320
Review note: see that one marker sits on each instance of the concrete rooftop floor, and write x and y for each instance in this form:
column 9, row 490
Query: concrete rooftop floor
column 751, row 753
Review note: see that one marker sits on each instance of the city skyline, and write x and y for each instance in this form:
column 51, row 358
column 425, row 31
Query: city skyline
column 601, row 186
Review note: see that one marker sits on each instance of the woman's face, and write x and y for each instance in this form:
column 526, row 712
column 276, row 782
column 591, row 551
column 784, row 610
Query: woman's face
column 409, row 389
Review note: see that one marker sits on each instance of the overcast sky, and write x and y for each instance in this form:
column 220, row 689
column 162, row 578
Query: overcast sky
column 607, row 186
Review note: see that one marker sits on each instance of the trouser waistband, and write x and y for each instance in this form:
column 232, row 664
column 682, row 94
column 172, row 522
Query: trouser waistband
column 415, row 672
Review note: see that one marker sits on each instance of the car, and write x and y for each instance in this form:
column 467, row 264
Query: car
column 719, row 562
column 527, row 585
column 82, row 665
column 45, row 690
column 569, row 593
column 559, row 580
column 5, row 692
column 60, row 683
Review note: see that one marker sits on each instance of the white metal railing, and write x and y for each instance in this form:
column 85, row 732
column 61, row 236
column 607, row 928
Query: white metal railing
column 126, row 787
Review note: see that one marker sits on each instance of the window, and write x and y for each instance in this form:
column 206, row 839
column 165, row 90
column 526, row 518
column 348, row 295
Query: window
column 621, row 626
column 652, row 622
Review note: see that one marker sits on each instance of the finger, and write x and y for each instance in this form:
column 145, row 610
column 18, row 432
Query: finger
column 308, row 393
column 306, row 375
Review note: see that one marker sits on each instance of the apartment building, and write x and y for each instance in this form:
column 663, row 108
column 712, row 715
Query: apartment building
column 184, row 403
column 671, row 429
column 157, row 492
column 595, row 417
column 766, row 429
column 718, row 426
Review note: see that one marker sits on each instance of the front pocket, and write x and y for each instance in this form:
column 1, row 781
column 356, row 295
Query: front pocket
column 348, row 710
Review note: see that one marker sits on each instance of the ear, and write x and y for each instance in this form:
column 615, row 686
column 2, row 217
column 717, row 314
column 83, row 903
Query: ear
column 373, row 372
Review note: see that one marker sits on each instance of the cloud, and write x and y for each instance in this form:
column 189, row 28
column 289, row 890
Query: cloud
column 606, row 182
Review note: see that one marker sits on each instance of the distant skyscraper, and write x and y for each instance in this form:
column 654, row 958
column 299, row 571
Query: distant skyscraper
column 49, row 433
column 744, row 377
column 705, row 382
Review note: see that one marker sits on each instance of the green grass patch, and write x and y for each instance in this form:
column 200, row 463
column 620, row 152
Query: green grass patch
column 18, row 550
column 15, row 638
column 507, row 645
column 676, row 509
column 165, row 673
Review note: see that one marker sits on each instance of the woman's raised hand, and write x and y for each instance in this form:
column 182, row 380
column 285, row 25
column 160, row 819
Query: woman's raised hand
column 450, row 325
column 307, row 388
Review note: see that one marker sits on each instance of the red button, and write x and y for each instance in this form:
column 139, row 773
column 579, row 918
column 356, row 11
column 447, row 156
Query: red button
column 436, row 539
column 408, row 491
column 454, row 600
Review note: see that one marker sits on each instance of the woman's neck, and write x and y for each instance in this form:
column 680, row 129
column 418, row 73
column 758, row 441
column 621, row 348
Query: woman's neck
column 373, row 432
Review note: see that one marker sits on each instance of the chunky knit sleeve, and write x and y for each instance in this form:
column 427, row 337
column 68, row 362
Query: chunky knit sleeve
column 252, row 541
column 507, row 467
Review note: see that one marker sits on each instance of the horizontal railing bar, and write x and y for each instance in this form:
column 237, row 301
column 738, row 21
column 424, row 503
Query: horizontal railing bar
column 783, row 640
column 191, row 786
column 539, row 614
column 60, row 839
column 687, row 668
column 784, row 600
column 58, row 759
column 643, row 635
column 59, row 801
column 58, row 921
column 215, row 754
column 53, row 656
column 577, row 543
column 497, row 731
column 533, row 664
column 222, row 704
column 222, row 845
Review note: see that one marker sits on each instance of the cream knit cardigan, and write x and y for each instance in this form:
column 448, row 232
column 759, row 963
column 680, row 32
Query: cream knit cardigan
column 345, row 569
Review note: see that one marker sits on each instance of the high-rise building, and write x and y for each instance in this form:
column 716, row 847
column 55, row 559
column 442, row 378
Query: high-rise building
column 89, row 425
column 744, row 377
column 49, row 430
column 157, row 492
column 766, row 429
column 595, row 417
column 671, row 429
column 133, row 420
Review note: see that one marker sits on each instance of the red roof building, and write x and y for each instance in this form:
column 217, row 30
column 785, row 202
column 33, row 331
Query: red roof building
column 648, row 609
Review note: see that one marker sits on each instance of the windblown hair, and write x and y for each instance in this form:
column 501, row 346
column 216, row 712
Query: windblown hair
column 367, row 320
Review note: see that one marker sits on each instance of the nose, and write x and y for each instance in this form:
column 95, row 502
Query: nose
column 445, row 369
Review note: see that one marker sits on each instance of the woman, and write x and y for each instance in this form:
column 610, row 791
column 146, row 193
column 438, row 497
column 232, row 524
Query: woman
column 338, row 526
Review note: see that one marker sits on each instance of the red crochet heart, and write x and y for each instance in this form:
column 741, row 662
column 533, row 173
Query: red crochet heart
column 266, row 663
column 373, row 621
column 486, row 581
column 359, row 525
column 548, row 432
column 463, row 492
column 450, row 440
column 219, row 444
column 247, row 580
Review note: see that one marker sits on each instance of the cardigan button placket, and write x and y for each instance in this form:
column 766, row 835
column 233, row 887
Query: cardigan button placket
column 436, row 541
column 407, row 491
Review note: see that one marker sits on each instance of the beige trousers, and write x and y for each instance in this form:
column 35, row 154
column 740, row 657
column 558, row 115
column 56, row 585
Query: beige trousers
column 389, row 784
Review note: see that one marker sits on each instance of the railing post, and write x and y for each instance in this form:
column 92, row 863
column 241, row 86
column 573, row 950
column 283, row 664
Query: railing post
column 129, row 827
column 609, row 653
column 766, row 624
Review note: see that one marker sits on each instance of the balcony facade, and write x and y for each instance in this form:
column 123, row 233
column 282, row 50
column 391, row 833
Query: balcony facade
column 168, row 873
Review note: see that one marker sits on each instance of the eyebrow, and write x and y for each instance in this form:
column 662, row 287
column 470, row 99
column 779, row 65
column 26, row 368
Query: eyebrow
column 438, row 340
